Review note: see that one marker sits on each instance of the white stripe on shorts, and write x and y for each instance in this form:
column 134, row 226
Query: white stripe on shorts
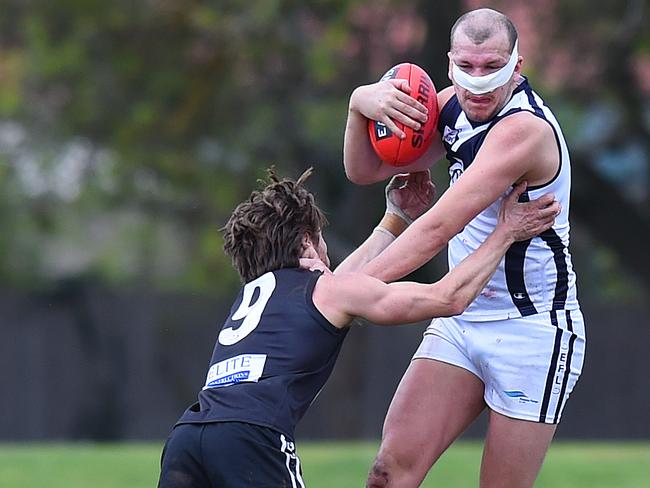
column 292, row 455
column 298, row 475
column 559, row 382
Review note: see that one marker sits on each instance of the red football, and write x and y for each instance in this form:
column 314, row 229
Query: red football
column 390, row 148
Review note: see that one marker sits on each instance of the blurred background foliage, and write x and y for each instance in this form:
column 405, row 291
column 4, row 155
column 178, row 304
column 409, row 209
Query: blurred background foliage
column 130, row 130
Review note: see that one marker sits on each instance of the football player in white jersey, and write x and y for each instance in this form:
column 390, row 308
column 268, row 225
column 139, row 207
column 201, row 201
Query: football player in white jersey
column 518, row 349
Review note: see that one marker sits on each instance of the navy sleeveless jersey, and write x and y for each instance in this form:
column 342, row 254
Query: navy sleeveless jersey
column 273, row 355
column 535, row 275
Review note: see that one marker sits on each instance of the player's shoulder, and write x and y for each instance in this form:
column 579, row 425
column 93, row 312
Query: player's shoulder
column 328, row 290
column 335, row 291
column 336, row 284
column 520, row 127
column 325, row 298
column 444, row 96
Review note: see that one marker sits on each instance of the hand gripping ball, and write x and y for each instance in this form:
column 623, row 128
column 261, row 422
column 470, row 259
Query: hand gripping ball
column 388, row 146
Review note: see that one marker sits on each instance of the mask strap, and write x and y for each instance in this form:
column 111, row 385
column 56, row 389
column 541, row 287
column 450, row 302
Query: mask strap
column 487, row 83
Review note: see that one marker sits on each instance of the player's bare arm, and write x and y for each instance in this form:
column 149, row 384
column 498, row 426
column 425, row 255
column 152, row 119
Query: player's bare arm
column 386, row 101
column 342, row 297
column 516, row 149
column 408, row 196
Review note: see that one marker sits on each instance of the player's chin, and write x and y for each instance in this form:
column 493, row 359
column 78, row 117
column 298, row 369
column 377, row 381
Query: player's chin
column 479, row 112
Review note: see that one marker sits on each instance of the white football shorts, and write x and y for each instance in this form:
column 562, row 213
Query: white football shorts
column 529, row 365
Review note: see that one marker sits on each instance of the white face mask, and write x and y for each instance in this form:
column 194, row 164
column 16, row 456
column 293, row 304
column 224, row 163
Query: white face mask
column 487, row 83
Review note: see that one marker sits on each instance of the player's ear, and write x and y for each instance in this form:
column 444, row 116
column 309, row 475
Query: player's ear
column 306, row 240
column 520, row 61
column 449, row 66
column 308, row 248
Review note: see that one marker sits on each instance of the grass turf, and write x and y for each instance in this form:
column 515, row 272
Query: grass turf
column 329, row 464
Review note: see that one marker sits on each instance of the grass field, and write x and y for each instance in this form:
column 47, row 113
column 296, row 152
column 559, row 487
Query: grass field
column 325, row 465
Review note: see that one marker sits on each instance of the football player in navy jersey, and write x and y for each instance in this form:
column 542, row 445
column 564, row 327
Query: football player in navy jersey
column 278, row 345
column 518, row 349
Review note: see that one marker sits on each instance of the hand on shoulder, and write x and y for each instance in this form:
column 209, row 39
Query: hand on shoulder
column 522, row 221
column 314, row 264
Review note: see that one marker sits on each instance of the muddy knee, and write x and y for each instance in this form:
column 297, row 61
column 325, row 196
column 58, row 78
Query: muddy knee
column 379, row 475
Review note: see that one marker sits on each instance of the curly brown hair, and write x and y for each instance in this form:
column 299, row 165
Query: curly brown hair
column 265, row 232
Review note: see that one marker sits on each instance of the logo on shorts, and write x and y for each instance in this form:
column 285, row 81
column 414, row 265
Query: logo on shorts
column 519, row 395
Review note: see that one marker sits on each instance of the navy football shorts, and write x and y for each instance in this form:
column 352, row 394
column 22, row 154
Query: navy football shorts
column 229, row 455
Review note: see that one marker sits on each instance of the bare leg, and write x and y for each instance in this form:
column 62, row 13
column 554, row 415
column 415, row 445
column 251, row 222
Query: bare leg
column 514, row 452
column 434, row 403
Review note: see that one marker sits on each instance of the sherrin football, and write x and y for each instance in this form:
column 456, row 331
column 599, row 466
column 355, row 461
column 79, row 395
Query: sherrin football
column 388, row 146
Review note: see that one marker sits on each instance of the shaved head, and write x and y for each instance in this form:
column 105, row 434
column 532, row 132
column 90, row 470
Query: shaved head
column 481, row 24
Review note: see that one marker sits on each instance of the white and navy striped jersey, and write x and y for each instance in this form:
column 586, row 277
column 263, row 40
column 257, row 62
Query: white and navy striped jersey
column 535, row 275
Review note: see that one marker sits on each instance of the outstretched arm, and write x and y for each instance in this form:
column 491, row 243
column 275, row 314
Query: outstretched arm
column 407, row 197
column 343, row 297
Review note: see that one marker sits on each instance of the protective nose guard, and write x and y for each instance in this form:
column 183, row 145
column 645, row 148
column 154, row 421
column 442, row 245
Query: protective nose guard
column 487, row 83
